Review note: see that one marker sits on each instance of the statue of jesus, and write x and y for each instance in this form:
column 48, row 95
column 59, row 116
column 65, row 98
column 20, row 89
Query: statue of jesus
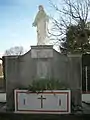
column 41, row 22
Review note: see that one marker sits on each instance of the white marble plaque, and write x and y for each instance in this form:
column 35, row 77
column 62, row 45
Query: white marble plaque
column 48, row 102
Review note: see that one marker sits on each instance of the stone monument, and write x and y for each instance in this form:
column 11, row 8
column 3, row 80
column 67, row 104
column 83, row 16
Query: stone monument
column 41, row 22
column 42, row 61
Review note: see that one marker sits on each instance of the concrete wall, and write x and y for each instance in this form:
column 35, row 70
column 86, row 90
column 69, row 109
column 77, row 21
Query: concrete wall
column 41, row 61
column 1, row 70
column 1, row 82
column 59, row 66
column 11, row 78
column 74, row 71
column 86, row 97
column 27, row 69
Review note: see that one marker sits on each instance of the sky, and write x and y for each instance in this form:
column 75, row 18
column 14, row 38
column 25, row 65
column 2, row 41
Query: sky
column 16, row 18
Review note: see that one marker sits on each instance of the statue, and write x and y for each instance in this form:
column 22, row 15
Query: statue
column 41, row 22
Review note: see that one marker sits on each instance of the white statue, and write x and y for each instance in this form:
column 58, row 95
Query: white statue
column 41, row 22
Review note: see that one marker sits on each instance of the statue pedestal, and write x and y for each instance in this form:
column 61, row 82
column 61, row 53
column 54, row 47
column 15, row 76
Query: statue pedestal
column 42, row 54
column 42, row 51
column 42, row 62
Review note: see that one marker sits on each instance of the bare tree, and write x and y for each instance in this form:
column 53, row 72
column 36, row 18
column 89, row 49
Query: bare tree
column 17, row 50
column 69, row 13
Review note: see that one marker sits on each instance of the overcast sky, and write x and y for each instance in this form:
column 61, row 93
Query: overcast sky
column 16, row 17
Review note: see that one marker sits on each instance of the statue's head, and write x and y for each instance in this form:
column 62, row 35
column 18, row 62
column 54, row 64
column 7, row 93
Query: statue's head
column 40, row 7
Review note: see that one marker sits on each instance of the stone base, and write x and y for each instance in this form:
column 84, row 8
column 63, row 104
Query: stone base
column 42, row 51
column 42, row 46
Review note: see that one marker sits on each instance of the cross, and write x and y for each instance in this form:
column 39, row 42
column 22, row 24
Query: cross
column 42, row 98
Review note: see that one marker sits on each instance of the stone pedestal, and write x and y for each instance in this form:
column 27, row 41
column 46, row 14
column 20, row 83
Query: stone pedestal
column 42, row 62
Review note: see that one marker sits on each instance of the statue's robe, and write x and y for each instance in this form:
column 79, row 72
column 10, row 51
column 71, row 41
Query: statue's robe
column 40, row 22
